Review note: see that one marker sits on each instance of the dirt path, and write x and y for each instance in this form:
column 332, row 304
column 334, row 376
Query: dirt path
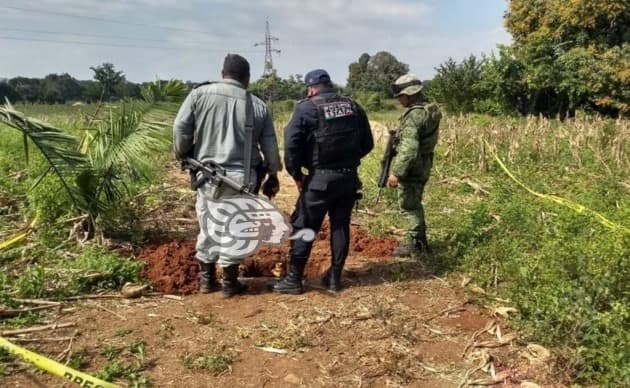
column 395, row 325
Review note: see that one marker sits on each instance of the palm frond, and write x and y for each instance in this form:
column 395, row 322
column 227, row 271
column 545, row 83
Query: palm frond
column 164, row 91
column 58, row 148
column 129, row 138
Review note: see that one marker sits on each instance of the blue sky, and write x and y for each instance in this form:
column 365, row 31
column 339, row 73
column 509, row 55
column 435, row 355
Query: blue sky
column 188, row 39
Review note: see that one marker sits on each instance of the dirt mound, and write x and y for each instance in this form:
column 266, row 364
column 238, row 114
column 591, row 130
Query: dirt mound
column 172, row 267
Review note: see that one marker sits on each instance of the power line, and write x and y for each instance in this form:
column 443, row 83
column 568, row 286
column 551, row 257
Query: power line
column 104, row 20
column 95, row 35
column 118, row 45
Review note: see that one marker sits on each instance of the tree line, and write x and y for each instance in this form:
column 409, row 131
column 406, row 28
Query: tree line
column 108, row 84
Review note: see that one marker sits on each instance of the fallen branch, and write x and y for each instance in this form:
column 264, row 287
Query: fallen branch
column 110, row 311
column 473, row 338
column 14, row 313
column 45, row 339
column 95, row 296
column 38, row 301
column 446, row 311
column 53, row 326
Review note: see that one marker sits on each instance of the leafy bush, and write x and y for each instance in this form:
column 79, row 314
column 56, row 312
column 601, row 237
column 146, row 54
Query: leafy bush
column 370, row 101
column 113, row 270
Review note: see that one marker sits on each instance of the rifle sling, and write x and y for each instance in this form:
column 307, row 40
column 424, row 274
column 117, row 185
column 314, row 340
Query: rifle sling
column 249, row 138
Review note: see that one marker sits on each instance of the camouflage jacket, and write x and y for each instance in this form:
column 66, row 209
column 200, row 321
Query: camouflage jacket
column 416, row 137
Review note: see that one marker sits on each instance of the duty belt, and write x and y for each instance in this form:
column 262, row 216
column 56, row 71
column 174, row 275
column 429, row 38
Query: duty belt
column 335, row 171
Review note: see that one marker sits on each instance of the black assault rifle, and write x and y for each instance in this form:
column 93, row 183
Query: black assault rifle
column 386, row 163
column 211, row 172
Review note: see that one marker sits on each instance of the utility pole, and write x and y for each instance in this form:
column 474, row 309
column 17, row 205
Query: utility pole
column 268, row 50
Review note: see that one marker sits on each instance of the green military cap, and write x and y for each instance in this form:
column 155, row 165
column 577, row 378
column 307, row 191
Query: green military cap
column 407, row 84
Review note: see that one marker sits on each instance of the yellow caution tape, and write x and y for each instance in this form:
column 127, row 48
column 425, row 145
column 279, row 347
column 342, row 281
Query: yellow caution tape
column 20, row 236
column 55, row 368
column 578, row 208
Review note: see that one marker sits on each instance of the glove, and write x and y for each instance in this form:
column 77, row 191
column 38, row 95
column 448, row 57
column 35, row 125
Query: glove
column 271, row 186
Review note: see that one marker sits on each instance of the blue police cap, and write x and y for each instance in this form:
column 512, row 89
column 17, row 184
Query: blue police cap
column 315, row 77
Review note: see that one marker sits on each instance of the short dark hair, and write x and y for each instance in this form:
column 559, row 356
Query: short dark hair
column 235, row 66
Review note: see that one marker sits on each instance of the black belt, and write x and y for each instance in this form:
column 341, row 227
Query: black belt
column 335, row 171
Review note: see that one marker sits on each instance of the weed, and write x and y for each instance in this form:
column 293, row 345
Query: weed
column 126, row 362
column 139, row 381
column 114, row 271
column 217, row 360
column 32, row 282
column 166, row 329
column 5, row 357
column 79, row 359
column 123, row 332
column 138, row 349
column 23, row 320
column 111, row 352
column 208, row 319
column 111, row 371
column 294, row 336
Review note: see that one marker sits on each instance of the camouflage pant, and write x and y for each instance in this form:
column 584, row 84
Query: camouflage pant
column 410, row 199
column 207, row 194
column 410, row 203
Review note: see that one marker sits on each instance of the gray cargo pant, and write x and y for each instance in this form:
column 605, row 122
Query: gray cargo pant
column 207, row 196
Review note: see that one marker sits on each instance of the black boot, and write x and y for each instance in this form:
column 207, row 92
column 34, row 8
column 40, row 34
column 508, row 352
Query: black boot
column 231, row 285
column 292, row 283
column 332, row 278
column 208, row 278
column 422, row 244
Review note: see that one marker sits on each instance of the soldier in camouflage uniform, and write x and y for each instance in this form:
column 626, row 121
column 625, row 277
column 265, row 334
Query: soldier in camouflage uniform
column 415, row 141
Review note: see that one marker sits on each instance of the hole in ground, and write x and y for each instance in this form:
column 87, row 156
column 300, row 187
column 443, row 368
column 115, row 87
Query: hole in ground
column 172, row 268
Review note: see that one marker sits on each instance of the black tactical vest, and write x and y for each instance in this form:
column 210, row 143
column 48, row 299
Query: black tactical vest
column 336, row 141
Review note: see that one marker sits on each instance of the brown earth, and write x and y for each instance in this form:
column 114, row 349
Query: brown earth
column 395, row 325
column 172, row 268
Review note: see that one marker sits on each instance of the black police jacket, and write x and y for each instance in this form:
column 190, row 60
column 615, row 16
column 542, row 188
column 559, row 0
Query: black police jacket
column 298, row 137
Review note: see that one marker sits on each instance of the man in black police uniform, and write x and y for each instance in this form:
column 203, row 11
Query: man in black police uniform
column 328, row 135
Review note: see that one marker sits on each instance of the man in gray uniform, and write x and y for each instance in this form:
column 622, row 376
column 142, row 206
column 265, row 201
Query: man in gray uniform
column 211, row 128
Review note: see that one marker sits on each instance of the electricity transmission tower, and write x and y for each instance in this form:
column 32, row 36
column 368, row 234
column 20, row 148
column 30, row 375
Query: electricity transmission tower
column 268, row 50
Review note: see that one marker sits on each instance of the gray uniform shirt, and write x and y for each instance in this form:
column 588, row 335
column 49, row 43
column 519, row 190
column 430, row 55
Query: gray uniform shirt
column 212, row 120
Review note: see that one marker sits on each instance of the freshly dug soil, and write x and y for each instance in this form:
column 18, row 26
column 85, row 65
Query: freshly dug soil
column 172, row 268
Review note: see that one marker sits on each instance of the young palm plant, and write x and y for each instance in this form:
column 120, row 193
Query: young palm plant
column 95, row 169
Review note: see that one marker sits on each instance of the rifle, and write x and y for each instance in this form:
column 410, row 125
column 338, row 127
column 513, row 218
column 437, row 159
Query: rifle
column 211, row 172
column 386, row 163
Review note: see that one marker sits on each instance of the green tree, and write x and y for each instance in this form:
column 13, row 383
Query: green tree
column 57, row 89
column 7, row 92
column 268, row 87
column 109, row 79
column 456, row 84
column 375, row 73
column 27, row 88
column 575, row 52
column 273, row 88
column 501, row 89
